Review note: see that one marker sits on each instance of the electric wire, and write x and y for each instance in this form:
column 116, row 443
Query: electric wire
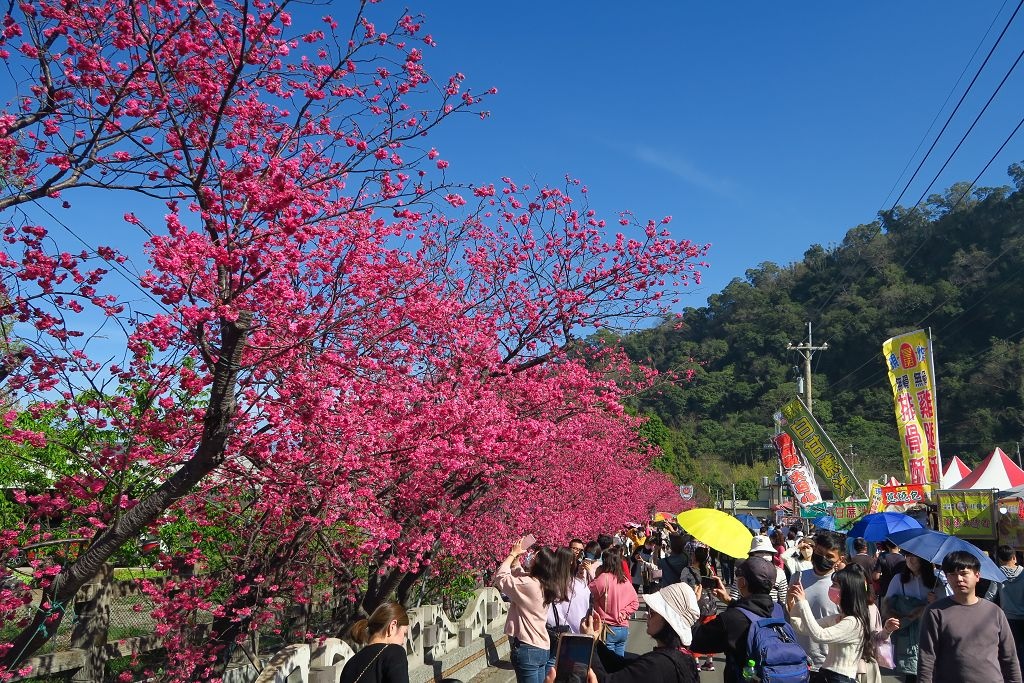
column 957, row 203
column 938, row 113
column 949, row 119
column 123, row 271
column 991, row 160
column 977, row 118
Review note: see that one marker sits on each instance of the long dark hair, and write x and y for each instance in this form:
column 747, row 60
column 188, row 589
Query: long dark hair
column 928, row 577
column 566, row 565
column 611, row 562
column 554, row 575
column 853, row 602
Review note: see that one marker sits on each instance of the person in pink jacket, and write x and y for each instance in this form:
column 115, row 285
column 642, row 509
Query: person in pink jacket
column 614, row 599
column 533, row 579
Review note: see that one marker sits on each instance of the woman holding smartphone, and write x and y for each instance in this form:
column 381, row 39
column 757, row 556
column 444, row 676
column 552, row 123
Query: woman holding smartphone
column 673, row 612
column 849, row 634
column 533, row 579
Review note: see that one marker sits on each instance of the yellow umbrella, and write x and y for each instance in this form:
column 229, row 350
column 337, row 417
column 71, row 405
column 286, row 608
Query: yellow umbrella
column 718, row 530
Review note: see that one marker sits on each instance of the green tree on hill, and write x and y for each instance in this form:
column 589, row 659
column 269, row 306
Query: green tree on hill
column 955, row 264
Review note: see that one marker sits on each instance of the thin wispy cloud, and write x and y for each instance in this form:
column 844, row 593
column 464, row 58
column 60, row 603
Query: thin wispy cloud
column 684, row 170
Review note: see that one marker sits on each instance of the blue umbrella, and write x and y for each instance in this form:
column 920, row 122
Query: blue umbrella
column 880, row 525
column 826, row 522
column 933, row 546
column 750, row 521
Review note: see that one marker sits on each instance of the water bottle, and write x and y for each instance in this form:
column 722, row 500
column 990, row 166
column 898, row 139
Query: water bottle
column 749, row 671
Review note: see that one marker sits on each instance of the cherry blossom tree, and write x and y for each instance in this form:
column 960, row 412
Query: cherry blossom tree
column 349, row 361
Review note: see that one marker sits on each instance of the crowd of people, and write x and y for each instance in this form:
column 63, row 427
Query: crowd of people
column 829, row 615
column 796, row 609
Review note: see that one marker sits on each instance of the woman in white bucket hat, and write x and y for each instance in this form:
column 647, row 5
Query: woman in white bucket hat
column 673, row 612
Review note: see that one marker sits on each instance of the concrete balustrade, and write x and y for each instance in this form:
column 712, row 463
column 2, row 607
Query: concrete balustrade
column 290, row 664
column 328, row 659
column 437, row 647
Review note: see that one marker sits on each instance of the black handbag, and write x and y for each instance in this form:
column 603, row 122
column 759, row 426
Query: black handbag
column 558, row 629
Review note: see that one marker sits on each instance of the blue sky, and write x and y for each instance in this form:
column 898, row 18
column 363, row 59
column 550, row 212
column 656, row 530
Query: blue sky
column 760, row 127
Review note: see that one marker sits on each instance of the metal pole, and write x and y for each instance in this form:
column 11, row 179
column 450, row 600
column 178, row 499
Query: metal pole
column 734, row 500
column 806, row 352
column 807, row 370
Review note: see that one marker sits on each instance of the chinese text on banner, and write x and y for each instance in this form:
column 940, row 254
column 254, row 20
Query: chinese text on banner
column 801, row 483
column 967, row 514
column 911, row 374
column 814, row 443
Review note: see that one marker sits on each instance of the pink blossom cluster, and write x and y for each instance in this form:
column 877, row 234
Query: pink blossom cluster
column 352, row 366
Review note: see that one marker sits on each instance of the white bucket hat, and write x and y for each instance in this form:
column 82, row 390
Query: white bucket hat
column 677, row 604
column 760, row 544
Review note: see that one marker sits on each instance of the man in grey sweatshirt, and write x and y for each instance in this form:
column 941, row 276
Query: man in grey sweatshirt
column 965, row 639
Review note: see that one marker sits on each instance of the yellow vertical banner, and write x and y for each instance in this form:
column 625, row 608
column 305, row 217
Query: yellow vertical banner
column 908, row 359
column 874, row 496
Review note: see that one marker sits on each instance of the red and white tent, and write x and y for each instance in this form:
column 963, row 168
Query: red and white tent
column 996, row 471
column 954, row 472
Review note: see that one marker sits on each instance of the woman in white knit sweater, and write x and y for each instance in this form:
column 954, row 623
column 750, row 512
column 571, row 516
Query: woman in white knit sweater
column 848, row 633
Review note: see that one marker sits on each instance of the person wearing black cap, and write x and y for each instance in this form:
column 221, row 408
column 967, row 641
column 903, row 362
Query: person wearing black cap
column 727, row 632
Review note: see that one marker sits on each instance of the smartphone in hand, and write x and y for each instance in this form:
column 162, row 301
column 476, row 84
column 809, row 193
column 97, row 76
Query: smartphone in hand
column 573, row 659
column 709, row 583
column 528, row 541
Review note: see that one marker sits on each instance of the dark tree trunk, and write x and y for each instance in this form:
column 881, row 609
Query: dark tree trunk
column 209, row 454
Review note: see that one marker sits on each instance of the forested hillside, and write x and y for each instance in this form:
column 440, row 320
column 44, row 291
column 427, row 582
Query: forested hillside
column 954, row 265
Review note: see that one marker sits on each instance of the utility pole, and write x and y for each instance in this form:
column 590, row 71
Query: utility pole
column 806, row 350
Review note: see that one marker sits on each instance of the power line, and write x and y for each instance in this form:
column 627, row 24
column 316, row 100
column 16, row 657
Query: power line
column 991, row 160
column 957, row 149
column 973, row 124
column 846, row 279
column 956, row 204
column 963, row 196
column 957, row 107
column 945, row 102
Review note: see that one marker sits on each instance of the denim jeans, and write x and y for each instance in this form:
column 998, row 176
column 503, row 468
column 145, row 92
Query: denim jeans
column 530, row 662
column 553, row 636
column 616, row 641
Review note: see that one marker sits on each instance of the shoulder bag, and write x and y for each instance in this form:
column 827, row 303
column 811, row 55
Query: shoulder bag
column 367, row 667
